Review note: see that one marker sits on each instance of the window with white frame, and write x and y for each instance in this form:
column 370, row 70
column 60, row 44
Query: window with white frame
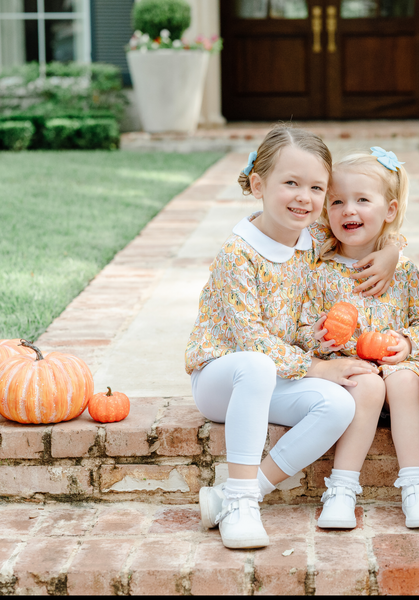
column 43, row 31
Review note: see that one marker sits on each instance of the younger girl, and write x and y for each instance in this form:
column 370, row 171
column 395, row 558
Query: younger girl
column 245, row 369
column 365, row 207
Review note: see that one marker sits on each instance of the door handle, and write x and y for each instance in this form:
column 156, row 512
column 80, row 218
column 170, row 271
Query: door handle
column 331, row 26
column 316, row 27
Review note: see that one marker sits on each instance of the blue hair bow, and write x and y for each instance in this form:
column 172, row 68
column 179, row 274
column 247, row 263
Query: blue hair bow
column 250, row 163
column 388, row 159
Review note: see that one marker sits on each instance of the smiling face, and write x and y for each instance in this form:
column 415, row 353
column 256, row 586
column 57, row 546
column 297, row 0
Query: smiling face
column 293, row 194
column 358, row 210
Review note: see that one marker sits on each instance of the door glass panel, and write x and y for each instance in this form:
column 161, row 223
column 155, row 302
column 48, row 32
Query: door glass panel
column 251, row 9
column 361, row 9
column 289, row 9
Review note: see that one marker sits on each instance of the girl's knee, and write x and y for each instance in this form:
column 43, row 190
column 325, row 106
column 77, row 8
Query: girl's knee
column 255, row 370
column 402, row 378
column 337, row 403
column 257, row 364
column 371, row 389
column 402, row 387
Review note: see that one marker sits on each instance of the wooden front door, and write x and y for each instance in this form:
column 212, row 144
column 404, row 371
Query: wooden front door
column 308, row 59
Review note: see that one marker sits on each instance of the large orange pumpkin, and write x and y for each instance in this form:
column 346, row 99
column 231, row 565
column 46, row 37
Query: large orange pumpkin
column 372, row 345
column 50, row 389
column 109, row 407
column 12, row 348
column 341, row 322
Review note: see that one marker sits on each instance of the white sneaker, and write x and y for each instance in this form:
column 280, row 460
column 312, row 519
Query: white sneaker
column 412, row 511
column 240, row 525
column 339, row 509
column 211, row 504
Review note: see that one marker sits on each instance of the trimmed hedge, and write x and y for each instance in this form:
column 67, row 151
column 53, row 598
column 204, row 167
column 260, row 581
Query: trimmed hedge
column 98, row 133
column 59, row 133
column 87, row 134
column 16, row 135
column 70, row 105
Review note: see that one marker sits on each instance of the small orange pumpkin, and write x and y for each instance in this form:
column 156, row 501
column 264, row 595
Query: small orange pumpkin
column 38, row 389
column 109, row 407
column 372, row 345
column 341, row 322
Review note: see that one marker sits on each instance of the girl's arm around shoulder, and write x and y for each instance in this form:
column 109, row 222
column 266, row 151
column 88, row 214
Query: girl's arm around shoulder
column 380, row 268
column 311, row 311
column 319, row 232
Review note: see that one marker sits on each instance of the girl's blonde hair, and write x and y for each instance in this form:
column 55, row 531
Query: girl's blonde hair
column 395, row 186
column 280, row 137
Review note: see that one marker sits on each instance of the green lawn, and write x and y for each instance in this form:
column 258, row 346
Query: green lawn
column 64, row 215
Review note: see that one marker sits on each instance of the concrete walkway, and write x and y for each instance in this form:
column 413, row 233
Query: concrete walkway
column 131, row 325
column 132, row 322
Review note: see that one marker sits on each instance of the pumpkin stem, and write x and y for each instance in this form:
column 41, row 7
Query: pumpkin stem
column 30, row 345
column 109, row 392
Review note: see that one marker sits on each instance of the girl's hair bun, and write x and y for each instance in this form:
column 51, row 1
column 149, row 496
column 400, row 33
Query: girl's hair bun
column 244, row 181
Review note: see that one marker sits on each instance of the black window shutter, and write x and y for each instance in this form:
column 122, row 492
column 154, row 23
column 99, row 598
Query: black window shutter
column 111, row 31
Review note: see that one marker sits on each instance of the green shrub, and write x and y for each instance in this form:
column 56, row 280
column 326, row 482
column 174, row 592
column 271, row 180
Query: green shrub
column 98, row 133
column 61, row 133
column 16, row 135
column 88, row 134
column 151, row 16
column 65, row 87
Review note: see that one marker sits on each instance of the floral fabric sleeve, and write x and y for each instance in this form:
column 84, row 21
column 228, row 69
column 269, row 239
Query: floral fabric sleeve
column 241, row 303
column 412, row 332
column 320, row 233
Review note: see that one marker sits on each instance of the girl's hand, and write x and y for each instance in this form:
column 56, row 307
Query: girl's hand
column 339, row 370
column 403, row 347
column 380, row 271
column 319, row 333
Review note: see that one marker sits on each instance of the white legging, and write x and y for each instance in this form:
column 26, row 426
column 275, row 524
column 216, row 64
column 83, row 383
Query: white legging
column 243, row 391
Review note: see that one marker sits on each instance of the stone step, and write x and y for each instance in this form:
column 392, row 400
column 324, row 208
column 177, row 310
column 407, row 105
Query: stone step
column 164, row 451
column 141, row 548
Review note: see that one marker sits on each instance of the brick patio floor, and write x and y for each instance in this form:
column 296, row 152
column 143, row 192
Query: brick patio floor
column 141, row 548
column 91, row 509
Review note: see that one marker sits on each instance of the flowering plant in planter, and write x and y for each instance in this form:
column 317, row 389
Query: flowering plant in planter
column 168, row 77
column 144, row 43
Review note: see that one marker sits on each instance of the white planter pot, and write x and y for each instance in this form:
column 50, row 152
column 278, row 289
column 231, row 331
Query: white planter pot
column 168, row 87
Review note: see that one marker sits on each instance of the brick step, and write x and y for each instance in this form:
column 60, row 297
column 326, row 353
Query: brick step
column 141, row 548
column 164, row 451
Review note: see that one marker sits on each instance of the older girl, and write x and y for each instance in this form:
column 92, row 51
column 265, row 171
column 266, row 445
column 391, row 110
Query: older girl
column 365, row 208
column 245, row 367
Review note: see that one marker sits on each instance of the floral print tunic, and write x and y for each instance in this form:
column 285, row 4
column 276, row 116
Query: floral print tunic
column 253, row 299
column 397, row 309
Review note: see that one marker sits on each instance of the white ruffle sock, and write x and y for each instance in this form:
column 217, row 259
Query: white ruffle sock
column 266, row 487
column 408, row 476
column 241, row 488
column 339, row 500
column 342, row 478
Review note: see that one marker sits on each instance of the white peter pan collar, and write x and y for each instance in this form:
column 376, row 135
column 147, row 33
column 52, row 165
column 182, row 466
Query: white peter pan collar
column 266, row 246
column 349, row 262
